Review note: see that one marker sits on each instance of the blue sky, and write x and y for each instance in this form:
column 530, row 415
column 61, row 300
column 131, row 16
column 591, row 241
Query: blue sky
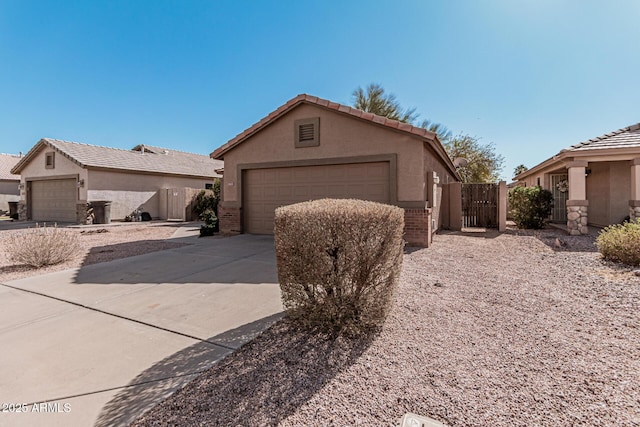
column 530, row 76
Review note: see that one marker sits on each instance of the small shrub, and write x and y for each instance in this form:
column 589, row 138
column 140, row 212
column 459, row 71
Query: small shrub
column 530, row 206
column 339, row 261
column 210, row 223
column 207, row 199
column 621, row 243
column 42, row 246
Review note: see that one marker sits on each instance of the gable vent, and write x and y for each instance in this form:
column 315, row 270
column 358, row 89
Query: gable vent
column 306, row 132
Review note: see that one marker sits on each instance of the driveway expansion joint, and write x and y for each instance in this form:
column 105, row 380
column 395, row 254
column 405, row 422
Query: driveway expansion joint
column 97, row 310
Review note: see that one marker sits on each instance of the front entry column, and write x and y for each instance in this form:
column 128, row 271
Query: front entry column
column 577, row 205
column 634, row 197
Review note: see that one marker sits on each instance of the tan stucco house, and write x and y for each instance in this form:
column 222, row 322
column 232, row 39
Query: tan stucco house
column 595, row 182
column 58, row 178
column 312, row 148
column 9, row 191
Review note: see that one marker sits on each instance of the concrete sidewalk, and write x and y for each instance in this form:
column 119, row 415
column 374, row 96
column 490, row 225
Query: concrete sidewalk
column 103, row 343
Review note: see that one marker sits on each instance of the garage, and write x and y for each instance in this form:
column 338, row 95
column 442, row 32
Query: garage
column 268, row 188
column 311, row 148
column 54, row 200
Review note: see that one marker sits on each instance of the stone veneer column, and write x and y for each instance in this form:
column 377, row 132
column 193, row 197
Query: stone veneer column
column 634, row 200
column 81, row 213
column 577, row 205
column 577, row 217
column 22, row 210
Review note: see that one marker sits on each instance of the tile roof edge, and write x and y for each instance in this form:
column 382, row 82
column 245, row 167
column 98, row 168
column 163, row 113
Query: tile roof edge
column 565, row 152
column 322, row 103
column 605, row 136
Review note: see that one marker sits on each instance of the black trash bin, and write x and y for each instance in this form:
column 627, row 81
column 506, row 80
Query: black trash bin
column 13, row 208
column 101, row 211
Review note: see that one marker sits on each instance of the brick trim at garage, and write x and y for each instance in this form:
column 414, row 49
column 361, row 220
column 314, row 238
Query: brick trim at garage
column 230, row 218
column 417, row 227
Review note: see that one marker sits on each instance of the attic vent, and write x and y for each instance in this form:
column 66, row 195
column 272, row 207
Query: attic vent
column 307, row 132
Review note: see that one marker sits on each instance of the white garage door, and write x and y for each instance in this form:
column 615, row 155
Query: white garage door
column 267, row 189
column 54, row 200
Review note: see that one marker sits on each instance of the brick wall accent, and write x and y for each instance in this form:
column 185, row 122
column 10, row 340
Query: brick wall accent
column 417, row 227
column 230, row 220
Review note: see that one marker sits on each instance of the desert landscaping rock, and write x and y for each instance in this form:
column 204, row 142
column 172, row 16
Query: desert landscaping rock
column 97, row 246
column 521, row 335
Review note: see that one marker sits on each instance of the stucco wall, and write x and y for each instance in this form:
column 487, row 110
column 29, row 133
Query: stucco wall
column 8, row 193
column 438, row 203
column 608, row 190
column 340, row 136
column 130, row 191
column 63, row 167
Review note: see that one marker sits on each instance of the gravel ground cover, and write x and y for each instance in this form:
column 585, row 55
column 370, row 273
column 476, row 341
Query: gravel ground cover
column 119, row 241
column 517, row 329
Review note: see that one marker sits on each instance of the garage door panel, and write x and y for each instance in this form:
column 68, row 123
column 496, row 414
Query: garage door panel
column 267, row 189
column 285, row 192
column 54, row 200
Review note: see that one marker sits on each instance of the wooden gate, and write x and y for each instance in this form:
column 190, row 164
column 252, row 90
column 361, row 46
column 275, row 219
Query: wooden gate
column 480, row 205
column 176, row 202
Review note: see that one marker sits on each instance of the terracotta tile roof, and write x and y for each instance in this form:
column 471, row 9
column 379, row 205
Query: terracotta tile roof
column 154, row 160
column 304, row 98
column 7, row 162
column 628, row 137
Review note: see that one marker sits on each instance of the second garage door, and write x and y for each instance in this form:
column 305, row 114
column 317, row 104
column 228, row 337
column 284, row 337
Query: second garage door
column 53, row 200
column 267, row 189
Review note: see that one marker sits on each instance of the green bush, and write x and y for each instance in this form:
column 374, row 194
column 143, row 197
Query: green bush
column 210, row 223
column 207, row 199
column 42, row 246
column 621, row 243
column 339, row 261
column 530, row 206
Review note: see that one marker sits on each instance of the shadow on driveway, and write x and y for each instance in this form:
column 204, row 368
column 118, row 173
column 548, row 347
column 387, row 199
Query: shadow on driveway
column 160, row 380
column 240, row 259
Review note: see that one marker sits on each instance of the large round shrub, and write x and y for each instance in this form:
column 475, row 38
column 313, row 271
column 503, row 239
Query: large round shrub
column 339, row 261
column 621, row 243
column 530, row 207
column 42, row 246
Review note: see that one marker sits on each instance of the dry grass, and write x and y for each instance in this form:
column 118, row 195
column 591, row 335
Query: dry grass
column 42, row 246
column 118, row 242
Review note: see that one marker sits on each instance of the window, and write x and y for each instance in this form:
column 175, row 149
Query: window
column 307, row 132
column 208, row 186
column 50, row 161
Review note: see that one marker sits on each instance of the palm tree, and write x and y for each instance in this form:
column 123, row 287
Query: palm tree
column 444, row 134
column 519, row 169
column 375, row 100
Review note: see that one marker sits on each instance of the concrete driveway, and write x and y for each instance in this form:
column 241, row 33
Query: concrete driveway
column 102, row 344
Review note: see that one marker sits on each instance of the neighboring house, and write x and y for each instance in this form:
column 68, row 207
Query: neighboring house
column 596, row 182
column 60, row 177
column 311, row 148
column 9, row 191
